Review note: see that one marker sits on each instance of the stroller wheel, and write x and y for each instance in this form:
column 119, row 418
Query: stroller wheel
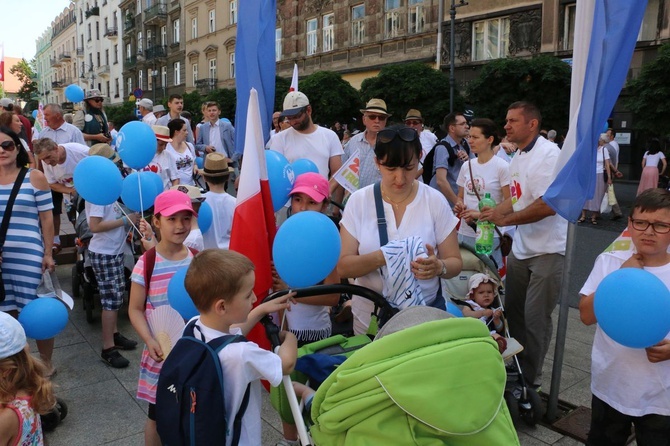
column 75, row 281
column 531, row 410
column 512, row 406
column 51, row 420
column 62, row 408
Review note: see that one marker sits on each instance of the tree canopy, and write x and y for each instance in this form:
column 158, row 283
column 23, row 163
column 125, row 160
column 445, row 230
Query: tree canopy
column 331, row 97
column 649, row 95
column 543, row 80
column 412, row 85
column 24, row 73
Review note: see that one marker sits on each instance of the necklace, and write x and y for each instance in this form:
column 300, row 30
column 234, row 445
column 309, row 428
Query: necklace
column 396, row 204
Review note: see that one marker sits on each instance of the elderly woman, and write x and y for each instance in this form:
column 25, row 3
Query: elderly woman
column 415, row 214
column 26, row 252
column 604, row 173
column 13, row 122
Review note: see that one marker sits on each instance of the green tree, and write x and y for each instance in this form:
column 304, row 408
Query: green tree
column 331, row 97
column 649, row 95
column 192, row 103
column 282, row 85
column 24, row 73
column 227, row 100
column 412, row 85
column 543, row 80
column 122, row 113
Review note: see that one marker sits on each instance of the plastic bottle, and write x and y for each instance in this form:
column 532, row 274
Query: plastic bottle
column 485, row 229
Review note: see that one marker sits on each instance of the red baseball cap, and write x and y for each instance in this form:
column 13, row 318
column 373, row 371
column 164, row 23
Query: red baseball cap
column 172, row 201
column 312, row 184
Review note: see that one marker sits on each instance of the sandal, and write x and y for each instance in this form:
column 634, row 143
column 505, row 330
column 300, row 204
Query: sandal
column 581, row 220
column 56, row 248
column 593, row 221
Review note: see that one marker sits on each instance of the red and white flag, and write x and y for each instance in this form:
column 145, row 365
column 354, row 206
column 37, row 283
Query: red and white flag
column 294, row 80
column 254, row 226
column 2, row 62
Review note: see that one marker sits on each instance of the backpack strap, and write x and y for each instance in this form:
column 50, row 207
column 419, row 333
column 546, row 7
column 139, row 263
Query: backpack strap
column 237, row 424
column 4, row 226
column 381, row 219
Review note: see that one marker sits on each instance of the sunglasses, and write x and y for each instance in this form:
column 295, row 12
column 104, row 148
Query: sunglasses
column 97, row 99
column 8, row 146
column 376, row 117
column 413, row 122
column 406, row 134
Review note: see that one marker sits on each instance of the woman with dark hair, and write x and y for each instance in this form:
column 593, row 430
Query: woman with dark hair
column 485, row 174
column 415, row 214
column 13, row 122
column 653, row 155
column 26, row 253
column 181, row 151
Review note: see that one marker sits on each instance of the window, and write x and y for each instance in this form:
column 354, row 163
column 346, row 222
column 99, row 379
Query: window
column 139, row 42
column 108, row 91
column 569, row 27
column 106, row 57
column 129, row 51
column 232, row 65
column 150, row 40
column 140, row 78
column 311, row 36
column 116, row 54
column 392, row 18
column 328, row 32
column 233, row 12
column 416, row 19
column 490, row 39
column 150, row 83
column 211, row 21
column 164, row 35
column 176, row 73
column 115, row 21
column 139, row 6
column 212, row 68
column 194, row 28
column 357, row 24
column 175, row 31
column 89, row 32
column 278, row 44
column 194, row 73
column 116, row 87
column 97, row 30
column 649, row 22
column 130, row 85
column 164, row 76
column 97, row 59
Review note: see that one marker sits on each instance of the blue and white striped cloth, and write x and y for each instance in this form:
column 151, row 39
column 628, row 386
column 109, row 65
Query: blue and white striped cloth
column 401, row 288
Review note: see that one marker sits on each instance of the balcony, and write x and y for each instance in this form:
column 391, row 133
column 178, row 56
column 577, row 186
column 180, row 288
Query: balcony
column 130, row 62
column 93, row 11
column 103, row 70
column 80, row 52
column 55, row 62
column 59, row 85
column 155, row 52
column 64, row 56
column 155, row 15
column 206, row 85
column 112, row 33
column 128, row 25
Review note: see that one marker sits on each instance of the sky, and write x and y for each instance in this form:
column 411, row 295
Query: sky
column 24, row 21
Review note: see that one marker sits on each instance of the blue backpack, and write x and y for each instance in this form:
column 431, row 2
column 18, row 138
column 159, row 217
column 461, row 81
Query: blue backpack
column 190, row 407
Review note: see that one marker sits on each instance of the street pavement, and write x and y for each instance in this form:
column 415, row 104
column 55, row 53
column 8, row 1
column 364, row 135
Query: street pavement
column 101, row 400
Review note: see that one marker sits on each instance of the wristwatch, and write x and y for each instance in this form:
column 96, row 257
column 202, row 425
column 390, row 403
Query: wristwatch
column 444, row 268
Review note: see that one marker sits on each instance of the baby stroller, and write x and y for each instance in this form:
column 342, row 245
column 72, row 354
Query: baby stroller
column 522, row 400
column 440, row 382
column 84, row 283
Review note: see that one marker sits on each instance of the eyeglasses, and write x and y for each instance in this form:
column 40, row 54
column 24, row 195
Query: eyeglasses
column 376, row 117
column 462, row 123
column 642, row 225
column 8, row 146
column 407, row 134
column 97, row 99
column 412, row 122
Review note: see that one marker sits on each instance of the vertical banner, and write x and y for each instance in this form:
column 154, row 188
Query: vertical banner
column 2, row 62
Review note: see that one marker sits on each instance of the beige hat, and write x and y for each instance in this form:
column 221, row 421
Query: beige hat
column 193, row 192
column 216, row 165
column 414, row 114
column 146, row 103
column 377, row 106
column 159, row 108
column 93, row 93
column 104, row 150
column 162, row 133
column 294, row 102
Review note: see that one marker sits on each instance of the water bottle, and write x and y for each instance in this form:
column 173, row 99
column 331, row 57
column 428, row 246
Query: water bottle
column 485, row 229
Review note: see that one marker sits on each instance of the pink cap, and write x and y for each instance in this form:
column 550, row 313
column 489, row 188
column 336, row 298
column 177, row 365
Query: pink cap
column 312, row 184
column 172, row 201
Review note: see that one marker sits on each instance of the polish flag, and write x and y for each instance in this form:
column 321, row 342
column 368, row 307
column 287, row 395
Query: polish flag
column 2, row 62
column 254, row 226
column 294, row 80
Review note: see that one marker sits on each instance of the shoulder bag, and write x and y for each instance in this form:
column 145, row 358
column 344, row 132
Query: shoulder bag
column 4, row 226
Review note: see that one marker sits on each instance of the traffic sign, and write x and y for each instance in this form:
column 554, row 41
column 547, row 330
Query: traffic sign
column 138, row 93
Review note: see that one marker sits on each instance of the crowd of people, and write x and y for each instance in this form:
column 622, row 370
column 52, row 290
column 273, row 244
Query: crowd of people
column 414, row 200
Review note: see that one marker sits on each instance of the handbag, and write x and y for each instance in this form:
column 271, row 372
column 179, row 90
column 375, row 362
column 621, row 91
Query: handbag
column 611, row 198
column 605, row 173
column 504, row 240
column 4, row 226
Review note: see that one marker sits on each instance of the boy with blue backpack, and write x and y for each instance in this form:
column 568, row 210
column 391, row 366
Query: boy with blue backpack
column 209, row 387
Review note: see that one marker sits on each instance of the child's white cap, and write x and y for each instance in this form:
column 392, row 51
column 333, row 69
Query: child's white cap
column 477, row 279
column 12, row 336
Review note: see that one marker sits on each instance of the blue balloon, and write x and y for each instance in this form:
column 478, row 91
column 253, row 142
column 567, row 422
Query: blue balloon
column 205, row 217
column 34, row 114
column 605, row 127
column 98, row 180
column 136, row 144
column 453, row 309
column 43, row 318
column 156, row 179
column 178, row 296
column 618, row 311
column 280, row 178
column 303, row 165
column 306, row 249
column 74, row 93
column 130, row 193
column 200, row 162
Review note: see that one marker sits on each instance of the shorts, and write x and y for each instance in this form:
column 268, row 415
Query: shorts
column 57, row 198
column 111, row 277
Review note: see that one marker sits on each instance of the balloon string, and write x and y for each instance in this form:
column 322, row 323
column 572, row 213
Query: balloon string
column 139, row 185
column 130, row 221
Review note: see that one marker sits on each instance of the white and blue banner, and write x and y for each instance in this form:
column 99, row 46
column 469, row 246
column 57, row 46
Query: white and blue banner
column 605, row 36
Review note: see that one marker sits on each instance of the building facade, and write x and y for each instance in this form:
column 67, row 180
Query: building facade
column 43, row 70
column 62, row 59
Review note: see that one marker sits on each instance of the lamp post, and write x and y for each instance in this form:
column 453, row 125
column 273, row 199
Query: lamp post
column 452, row 75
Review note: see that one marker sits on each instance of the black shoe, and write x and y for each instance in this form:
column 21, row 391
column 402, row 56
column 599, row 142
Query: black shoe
column 616, row 217
column 123, row 342
column 112, row 357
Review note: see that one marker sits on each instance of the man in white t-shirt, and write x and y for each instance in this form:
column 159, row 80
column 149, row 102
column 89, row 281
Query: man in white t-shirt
column 613, row 148
column 146, row 107
column 535, row 265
